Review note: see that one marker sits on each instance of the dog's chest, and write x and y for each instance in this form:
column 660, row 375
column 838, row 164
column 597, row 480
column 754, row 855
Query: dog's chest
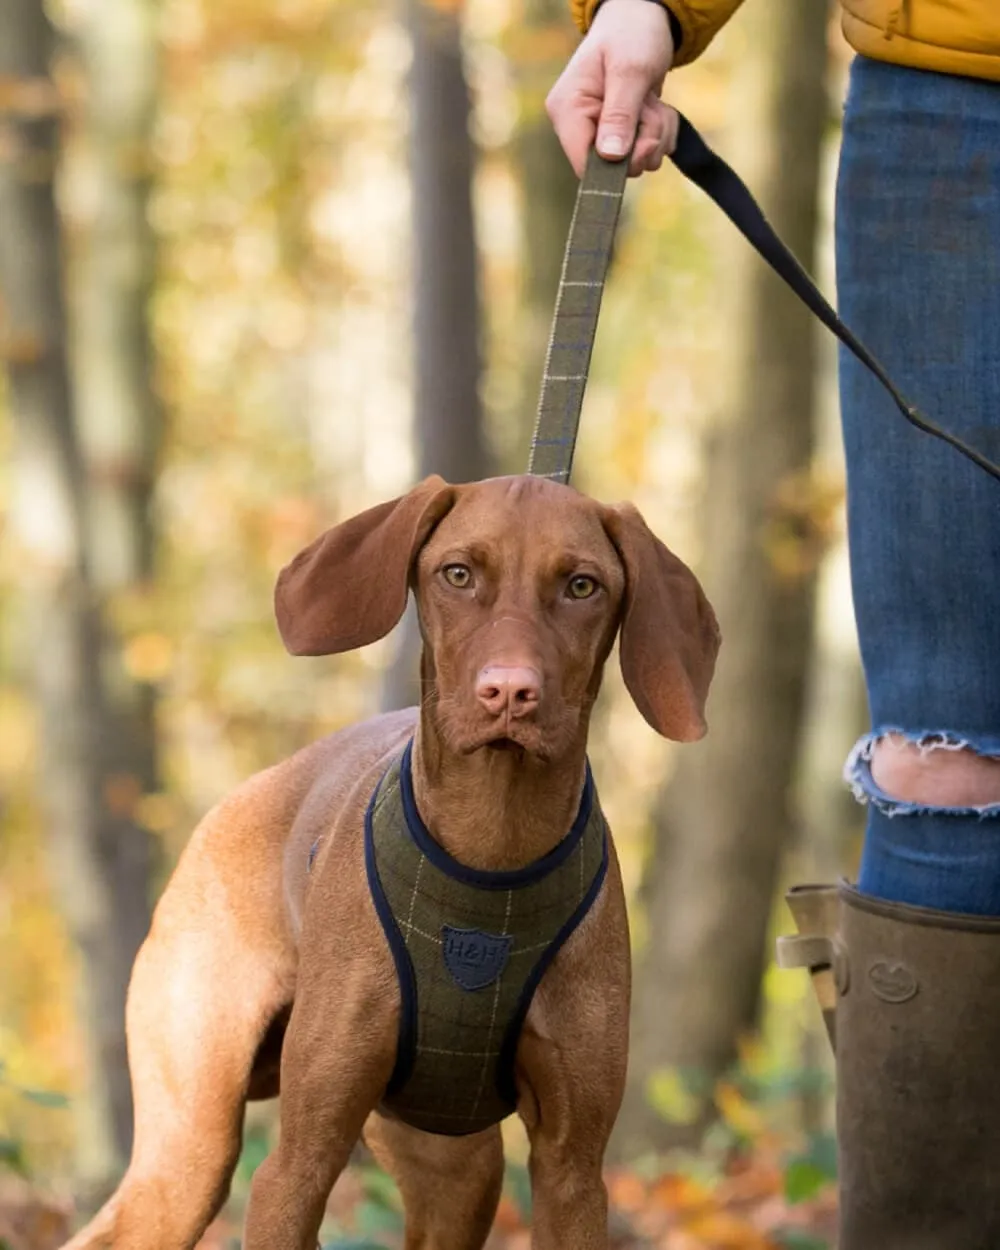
column 470, row 949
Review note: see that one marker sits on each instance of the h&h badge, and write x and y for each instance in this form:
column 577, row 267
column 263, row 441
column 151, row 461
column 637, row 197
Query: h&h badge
column 474, row 958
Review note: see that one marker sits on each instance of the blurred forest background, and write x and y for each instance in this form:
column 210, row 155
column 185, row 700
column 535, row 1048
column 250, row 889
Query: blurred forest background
column 263, row 263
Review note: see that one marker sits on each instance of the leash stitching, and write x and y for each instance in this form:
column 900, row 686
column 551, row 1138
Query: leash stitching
column 551, row 343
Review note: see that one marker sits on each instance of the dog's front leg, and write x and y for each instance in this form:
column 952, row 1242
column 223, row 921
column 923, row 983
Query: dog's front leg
column 569, row 1198
column 571, row 1076
column 337, row 1058
column 569, row 1116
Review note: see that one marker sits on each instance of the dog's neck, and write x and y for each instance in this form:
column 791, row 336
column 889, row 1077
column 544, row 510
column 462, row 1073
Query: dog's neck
column 495, row 810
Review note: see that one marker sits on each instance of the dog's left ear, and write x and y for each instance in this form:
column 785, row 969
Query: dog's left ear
column 349, row 587
column 669, row 634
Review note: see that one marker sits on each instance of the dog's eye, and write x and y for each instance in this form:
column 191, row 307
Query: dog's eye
column 458, row 575
column 581, row 586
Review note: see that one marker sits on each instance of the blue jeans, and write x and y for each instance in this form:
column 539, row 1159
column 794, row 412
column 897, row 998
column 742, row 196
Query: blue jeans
column 918, row 276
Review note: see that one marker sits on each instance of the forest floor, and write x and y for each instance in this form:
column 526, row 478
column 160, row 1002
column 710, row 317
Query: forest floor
column 757, row 1202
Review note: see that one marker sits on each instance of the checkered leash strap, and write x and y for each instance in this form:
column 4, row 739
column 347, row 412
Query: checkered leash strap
column 585, row 267
column 578, row 302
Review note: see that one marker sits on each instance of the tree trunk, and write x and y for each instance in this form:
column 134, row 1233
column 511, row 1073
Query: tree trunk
column 96, row 757
column 447, row 422
column 112, row 281
column 724, row 820
column 113, row 272
column 447, row 409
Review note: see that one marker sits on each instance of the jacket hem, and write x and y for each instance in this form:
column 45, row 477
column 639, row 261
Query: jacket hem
column 900, row 49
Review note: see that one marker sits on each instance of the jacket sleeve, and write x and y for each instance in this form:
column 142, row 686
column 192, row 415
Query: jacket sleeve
column 699, row 21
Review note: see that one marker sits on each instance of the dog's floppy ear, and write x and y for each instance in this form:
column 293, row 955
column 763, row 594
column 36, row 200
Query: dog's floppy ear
column 669, row 634
column 349, row 587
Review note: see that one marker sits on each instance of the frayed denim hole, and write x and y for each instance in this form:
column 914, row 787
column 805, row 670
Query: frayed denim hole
column 858, row 773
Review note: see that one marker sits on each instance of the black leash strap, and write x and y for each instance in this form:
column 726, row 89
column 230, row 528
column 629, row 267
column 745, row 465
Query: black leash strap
column 696, row 161
column 578, row 302
column 588, row 251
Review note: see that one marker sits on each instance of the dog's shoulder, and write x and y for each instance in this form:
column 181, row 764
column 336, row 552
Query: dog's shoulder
column 367, row 742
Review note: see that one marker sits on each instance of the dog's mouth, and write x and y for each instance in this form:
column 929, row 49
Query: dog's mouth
column 514, row 746
column 512, row 740
column 503, row 744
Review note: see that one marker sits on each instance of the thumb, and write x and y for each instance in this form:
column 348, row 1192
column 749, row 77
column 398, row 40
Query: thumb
column 624, row 94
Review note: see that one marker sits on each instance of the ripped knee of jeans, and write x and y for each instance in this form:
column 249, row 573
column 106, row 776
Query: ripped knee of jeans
column 906, row 773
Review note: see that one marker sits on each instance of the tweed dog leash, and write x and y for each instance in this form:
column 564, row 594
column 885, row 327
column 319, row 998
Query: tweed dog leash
column 588, row 252
column 574, row 324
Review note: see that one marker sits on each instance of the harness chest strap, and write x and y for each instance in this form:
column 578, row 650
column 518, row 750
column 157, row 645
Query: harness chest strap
column 470, row 949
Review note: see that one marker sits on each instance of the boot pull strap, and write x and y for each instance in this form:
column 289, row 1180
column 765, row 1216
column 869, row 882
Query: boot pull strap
column 803, row 950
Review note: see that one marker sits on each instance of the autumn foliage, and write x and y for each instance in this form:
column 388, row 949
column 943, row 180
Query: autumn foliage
column 279, row 310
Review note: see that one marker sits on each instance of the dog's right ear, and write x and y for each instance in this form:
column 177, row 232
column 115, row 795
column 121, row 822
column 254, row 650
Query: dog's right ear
column 669, row 634
column 349, row 587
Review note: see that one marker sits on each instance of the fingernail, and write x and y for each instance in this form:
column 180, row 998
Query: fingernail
column 611, row 145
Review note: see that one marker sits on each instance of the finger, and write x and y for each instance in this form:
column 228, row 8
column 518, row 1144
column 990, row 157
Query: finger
column 657, row 136
column 573, row 106
column 625, row 90
column 671, row 125
column 649, row 140
column 575, row 131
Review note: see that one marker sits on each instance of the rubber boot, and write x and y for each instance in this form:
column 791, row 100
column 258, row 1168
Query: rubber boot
column 918, row 1075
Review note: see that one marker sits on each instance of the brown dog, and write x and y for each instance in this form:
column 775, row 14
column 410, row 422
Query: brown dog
column 266, row 945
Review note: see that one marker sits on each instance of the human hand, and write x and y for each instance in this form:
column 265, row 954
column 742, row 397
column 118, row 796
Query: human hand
column 612, row 85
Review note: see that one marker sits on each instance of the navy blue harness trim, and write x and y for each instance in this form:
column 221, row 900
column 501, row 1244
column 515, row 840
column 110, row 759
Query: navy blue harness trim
column 506, row 1086
column 406, row 1044
column 483, row 880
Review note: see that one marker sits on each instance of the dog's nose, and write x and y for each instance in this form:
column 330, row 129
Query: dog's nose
column 509, row 690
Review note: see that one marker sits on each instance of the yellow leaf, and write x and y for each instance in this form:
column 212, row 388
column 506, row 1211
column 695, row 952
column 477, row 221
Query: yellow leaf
column 674, row 1192
column 626, row 1191
column 718, row 1230
column 670, row 1097
column 751, row 1051
column 156, row 812
column 148, row 656
column 737, row 1112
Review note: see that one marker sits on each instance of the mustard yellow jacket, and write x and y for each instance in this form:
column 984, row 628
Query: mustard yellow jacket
column 950, row 36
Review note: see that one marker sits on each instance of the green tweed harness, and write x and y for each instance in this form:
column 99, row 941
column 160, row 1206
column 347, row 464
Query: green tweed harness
column 470, row 949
